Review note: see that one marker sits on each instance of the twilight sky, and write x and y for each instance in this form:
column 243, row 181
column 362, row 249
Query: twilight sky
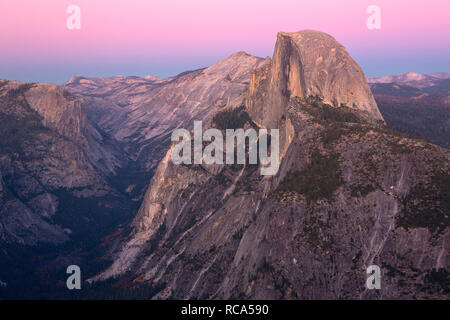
column 166, row 37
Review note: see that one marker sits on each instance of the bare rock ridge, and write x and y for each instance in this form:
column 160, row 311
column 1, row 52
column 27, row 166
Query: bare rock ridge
column 309, row 63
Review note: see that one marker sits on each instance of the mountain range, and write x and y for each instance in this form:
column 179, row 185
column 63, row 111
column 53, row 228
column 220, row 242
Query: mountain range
column 415, row 104
column 411, row 77
column 86, row 179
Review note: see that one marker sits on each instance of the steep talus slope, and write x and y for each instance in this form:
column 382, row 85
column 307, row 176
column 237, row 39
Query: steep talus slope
column 349, row 193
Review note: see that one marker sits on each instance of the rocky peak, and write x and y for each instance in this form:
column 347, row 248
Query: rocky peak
column 234, row 67
column 309, row 63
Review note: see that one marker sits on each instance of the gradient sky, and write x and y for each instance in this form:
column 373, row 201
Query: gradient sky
column 166, row 37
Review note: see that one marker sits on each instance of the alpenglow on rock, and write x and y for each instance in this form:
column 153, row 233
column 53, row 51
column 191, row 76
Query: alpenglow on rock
column 309, row 63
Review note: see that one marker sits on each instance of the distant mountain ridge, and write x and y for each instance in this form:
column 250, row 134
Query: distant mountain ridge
column 415, row 104
column 409, row 77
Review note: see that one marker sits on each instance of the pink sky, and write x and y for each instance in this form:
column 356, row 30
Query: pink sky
column 169, row 36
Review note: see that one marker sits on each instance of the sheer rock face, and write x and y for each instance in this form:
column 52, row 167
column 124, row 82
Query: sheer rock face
column 59, row 110
column 47, row 148
column 308, row 63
